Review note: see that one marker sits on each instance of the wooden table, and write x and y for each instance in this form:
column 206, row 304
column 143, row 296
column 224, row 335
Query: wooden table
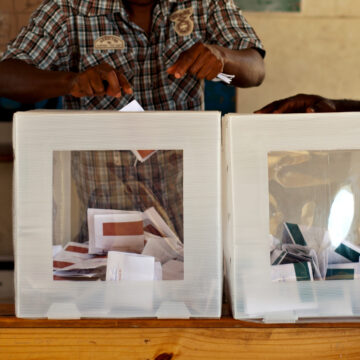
column 173, row 339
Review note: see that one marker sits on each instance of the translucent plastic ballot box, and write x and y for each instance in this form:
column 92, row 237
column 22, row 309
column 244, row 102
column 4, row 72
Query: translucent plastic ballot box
column 291, row 219
column 117, row 215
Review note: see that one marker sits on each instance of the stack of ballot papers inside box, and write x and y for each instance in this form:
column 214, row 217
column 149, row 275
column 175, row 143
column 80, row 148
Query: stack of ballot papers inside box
column 307, row 253
column 123, row 245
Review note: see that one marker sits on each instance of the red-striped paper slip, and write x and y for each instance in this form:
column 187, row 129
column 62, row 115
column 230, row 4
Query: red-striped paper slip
column 86, row 269
column 123, row 232
column 143, row 155
column 71, row 254
column 91, row 225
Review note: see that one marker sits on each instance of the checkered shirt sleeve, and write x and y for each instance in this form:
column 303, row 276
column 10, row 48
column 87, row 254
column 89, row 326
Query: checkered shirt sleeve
column 227, row 27
column 43, row 42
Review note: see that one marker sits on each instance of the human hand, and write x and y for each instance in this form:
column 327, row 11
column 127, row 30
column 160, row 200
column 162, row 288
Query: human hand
column 100, row 80
column 201, row 60
column 300, row 103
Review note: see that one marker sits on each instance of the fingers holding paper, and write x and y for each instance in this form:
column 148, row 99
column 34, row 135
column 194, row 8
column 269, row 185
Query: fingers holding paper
column 100, row 80
column 201, row 60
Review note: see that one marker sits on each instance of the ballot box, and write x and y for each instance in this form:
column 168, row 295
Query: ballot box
column 291, row 220
column 117, row 215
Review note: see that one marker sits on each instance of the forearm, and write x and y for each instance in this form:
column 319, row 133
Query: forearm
column 347, row 105
column 247, row 65
column 25, row 83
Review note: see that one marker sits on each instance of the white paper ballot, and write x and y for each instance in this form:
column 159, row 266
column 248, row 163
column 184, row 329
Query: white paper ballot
column 132, row 106
column 159, row 248
column 173, row 270
column 141, row 155
column 131, row 267
column 292, row 272
column 226, row 78
column 152, row 218
column 158, row 271
column 56, row 249
column 91, row 225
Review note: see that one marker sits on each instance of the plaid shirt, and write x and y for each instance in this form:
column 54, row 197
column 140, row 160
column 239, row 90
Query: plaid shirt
column 61, row 36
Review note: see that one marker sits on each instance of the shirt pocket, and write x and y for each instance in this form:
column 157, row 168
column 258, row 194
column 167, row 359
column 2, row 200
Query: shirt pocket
column 121, row 60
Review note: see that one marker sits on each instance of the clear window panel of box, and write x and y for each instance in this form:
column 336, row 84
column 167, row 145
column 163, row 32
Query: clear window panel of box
column 118, row 215
column 314, row 203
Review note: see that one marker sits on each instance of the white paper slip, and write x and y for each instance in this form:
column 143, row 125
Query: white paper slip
column 56, row 249
column 123, row 232
column 141, row 155
column 91, row 212
column 173, row 270
column 158, row 271
column 131, row 267
column 132, row 106
column 152, row 219
column 159, row 248
column 292, row 272
column 226, row 78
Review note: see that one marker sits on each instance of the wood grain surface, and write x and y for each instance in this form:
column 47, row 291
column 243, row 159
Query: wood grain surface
column 150, row 339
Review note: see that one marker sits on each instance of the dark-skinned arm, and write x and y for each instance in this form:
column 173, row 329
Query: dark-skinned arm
column 247, row 65
column 26, row 83
column 347, row 105
column 304, row 103
column 206, row 61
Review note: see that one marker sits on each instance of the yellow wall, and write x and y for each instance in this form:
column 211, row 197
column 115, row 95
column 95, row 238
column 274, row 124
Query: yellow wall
column 315, row 51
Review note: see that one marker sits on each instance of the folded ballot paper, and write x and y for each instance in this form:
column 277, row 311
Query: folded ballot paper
column 141, row 155
column 226, row 78
column 132, row 267
column 312, row 246
column 74, row 262
column 122, row 231
column 123, row 245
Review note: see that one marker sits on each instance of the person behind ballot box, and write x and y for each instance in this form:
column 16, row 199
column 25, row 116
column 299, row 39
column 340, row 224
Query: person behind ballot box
column 101, row 54
column 305, row 103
